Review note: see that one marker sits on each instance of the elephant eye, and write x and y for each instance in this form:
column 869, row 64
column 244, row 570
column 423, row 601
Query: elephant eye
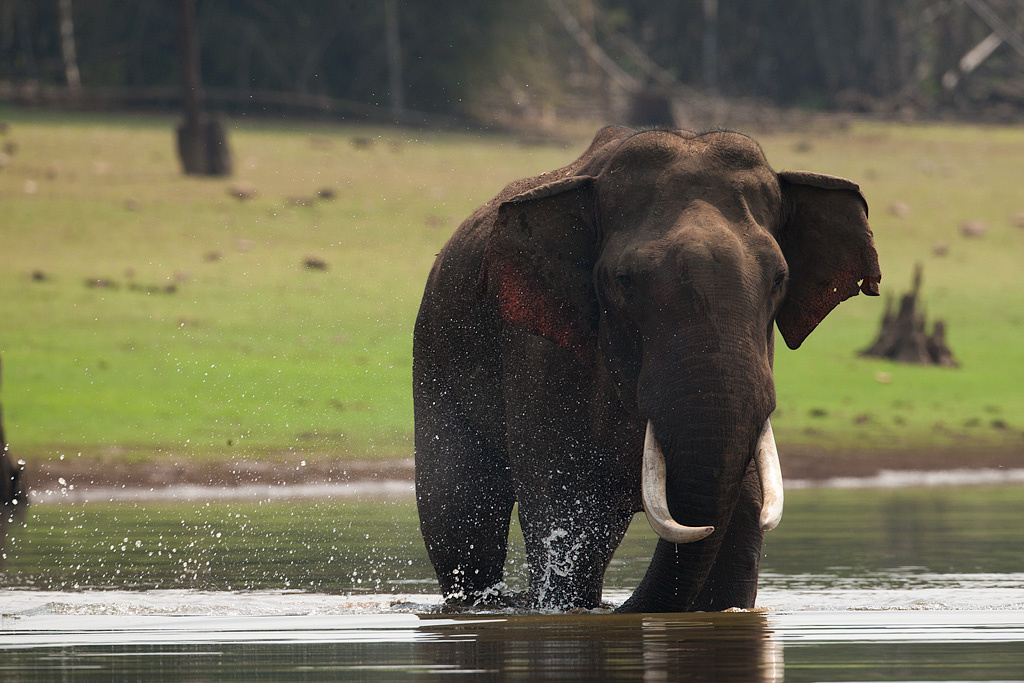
column 623, row 280
column 780, row 279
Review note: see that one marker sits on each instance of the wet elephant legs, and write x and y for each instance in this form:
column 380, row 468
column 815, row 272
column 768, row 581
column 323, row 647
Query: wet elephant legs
column 465, row 498
column 573, row 507
column 568, row 547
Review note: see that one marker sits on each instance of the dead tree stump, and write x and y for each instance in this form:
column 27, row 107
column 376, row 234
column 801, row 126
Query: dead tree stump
column 902, row 336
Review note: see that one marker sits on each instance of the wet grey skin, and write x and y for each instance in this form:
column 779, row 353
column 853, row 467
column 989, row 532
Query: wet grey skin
column 632, row 292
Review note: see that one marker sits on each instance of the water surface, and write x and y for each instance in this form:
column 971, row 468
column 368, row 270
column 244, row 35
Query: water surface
column 901, row 585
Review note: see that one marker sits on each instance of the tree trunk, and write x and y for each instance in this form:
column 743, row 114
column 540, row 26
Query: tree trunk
column 202, row 140
column 67, row 46
column 709, row 54
column 588, row 20
column 26, row 36
column 394, row 46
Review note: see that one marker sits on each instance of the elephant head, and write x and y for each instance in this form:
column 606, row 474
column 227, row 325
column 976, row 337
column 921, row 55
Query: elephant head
column 664, row 261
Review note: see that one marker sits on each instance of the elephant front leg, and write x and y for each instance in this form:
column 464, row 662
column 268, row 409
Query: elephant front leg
column 568, row 553
column 464, row 497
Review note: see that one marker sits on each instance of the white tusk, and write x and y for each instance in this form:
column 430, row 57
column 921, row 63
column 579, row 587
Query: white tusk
column 766, row 456
column 655, row 503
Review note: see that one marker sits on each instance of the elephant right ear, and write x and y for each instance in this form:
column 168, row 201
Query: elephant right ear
column 828, row 246
column 539, row 263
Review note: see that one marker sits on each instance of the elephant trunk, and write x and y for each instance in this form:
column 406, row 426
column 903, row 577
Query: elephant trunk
column 691, row 485
column 655, row 502
column 707, row 397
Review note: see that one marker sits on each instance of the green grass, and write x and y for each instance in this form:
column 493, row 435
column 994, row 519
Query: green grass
column 946, row 175
column 256, row 354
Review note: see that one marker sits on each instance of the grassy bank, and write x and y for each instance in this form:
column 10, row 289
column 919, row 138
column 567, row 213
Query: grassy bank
column 945, row 176
column 212, row 338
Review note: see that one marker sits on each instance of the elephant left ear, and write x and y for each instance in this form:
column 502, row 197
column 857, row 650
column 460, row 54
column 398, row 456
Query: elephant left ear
column 539, row 263
column 828, row 246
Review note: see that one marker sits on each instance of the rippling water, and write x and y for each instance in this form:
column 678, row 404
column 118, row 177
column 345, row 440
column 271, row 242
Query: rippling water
column 900, row 585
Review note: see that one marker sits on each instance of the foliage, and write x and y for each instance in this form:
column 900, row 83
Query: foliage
column 790, row 52
column 317, row 47
column 867, row 55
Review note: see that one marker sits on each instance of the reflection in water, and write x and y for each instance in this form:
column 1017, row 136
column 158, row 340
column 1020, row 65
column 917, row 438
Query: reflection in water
column 717, row 647
column 736, row 647
column 853, row 533
column 44, row 643
column 712, row 647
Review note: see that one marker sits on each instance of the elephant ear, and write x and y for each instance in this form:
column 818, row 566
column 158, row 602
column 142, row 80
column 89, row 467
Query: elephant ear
column 828, row 246
column 539, row 263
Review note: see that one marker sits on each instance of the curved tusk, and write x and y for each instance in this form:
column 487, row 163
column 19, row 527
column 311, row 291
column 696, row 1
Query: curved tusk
column 655, row 503
column 766, row 456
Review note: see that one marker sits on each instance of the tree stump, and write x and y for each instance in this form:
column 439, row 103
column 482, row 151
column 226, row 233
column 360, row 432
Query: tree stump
column 902, row 336
column 203, row 147
column 649, row 107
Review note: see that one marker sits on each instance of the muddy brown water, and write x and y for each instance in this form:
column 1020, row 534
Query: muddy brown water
column 879, row 584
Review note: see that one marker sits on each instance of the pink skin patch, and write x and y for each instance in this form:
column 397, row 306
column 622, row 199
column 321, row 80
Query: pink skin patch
column 525, row 302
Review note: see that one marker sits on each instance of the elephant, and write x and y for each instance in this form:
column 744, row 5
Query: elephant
column 599, row 340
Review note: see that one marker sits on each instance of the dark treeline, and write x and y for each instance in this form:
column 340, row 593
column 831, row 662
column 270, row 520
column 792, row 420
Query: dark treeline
column 472, row 59
column 860, row 54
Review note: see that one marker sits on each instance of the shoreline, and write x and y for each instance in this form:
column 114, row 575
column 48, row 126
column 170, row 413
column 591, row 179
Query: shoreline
column 802, row 466
column 403, row 488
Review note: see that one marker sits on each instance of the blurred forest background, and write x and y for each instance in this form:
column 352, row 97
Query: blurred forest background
column 526, row 63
